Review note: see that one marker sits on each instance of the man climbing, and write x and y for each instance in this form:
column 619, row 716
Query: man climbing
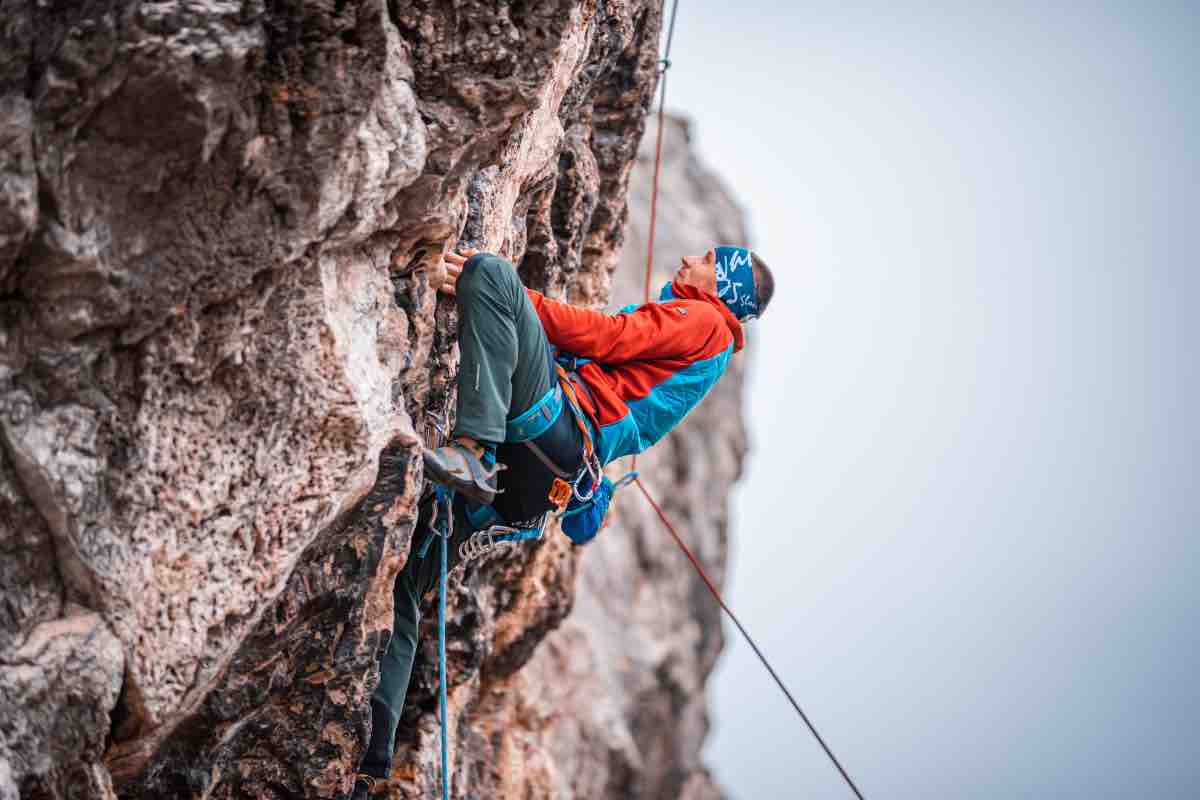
column 547, row 394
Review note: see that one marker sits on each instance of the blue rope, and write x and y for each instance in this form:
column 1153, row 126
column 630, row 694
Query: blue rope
column 446, row 502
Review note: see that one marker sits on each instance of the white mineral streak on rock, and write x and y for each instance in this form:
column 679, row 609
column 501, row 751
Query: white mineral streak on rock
column 18, row 182
column 386, row 154
column 46, row 678
column 534, row 154
column 54, row 453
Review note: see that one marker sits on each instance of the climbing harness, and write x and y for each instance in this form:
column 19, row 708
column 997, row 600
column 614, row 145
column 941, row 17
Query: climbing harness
column 537, row 429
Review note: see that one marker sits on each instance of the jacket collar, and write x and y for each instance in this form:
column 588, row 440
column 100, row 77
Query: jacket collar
column 687, row 292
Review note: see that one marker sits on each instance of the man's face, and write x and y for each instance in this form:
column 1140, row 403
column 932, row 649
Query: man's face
column 699, row 271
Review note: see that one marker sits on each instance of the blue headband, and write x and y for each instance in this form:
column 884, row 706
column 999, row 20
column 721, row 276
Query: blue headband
column 735, row 281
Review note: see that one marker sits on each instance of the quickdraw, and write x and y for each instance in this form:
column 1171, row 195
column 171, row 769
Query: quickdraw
column 485, row 541
column 497, row 537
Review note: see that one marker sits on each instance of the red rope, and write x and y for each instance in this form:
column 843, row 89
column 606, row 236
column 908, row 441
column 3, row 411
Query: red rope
column 745, row 633
column 662, row 100
column 686, row 550
column 666, row 63
column 654, row 189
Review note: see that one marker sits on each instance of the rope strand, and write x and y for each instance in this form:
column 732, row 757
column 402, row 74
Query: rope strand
column 448, row 511
column 662, row 100
column 746, row 634
column 666, row 64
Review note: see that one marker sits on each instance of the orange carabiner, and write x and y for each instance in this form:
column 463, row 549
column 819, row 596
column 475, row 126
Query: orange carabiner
column 560, row 493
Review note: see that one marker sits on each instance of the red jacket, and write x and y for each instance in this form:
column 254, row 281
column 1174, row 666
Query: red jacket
column 649, row 365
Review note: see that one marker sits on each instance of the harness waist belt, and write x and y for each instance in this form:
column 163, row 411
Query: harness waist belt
column 538, row 419
column 536, row 430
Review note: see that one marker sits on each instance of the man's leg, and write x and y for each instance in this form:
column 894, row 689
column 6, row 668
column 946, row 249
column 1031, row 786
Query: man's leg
column 395, row 669
column 505, row 365
column 504, row 370
column 418, row 577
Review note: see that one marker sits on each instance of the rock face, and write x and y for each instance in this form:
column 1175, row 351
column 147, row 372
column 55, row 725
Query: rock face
column 219, row 351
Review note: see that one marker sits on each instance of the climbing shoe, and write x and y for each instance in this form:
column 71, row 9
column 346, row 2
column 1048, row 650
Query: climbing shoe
column 457, row 468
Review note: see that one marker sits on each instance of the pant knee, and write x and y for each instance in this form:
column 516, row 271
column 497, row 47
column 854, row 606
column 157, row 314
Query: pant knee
column 485, row 273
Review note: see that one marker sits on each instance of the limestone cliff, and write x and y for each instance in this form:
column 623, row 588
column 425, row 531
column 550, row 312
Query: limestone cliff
column 220, row 222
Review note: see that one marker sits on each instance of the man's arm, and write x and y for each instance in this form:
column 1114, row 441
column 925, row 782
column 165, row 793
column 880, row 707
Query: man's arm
column 682, row 330
column 653, row 331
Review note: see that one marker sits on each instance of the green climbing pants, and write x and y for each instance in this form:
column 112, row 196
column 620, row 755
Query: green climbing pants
column 419, row 576
column 504, row 369
column 505, row 360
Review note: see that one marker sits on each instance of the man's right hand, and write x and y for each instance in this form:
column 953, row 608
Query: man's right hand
column 454, row 265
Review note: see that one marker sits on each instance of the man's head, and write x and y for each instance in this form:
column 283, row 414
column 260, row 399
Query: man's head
column 736, row 275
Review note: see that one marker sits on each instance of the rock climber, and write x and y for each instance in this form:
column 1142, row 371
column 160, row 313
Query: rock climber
column 548, row 393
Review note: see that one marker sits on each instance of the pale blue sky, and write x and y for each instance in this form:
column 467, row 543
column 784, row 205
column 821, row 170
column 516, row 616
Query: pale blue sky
column 968, row 533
